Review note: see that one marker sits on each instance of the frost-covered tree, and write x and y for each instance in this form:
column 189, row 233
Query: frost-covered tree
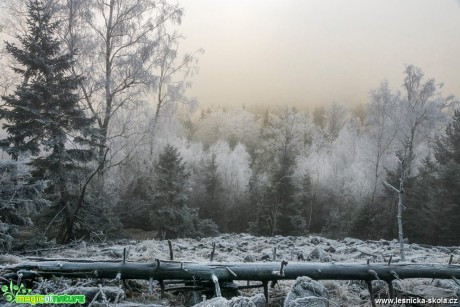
column 19, row 199
column 43, row 118
column 432, row 200
column 447, row 153
column 421, row 112
column 382, row 126
column 171, row 179
column 234, row 126
column 170, row 212
column 338, row 181
column 125, row 51
column 211, row 204
column 234, row 172
column 318, row 116
column 424, row 204
column 335, row 117
column 380, row 139
column 129, row 54
column 305, row 198
column 170, row 192
column 277, row 210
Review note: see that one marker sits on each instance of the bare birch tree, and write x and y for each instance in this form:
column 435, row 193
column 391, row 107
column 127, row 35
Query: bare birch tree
column 127, row 51
column 382, row 128
column 421, row 111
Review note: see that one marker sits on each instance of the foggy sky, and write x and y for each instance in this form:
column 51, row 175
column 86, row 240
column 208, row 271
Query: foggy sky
column 311, row 52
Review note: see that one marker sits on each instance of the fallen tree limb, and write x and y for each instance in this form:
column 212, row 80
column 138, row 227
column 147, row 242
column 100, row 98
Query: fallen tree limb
column 34, row 251
column 447, row 249
column 266, row 271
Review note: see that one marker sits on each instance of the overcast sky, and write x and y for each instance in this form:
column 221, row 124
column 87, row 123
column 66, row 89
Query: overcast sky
column 311, row 52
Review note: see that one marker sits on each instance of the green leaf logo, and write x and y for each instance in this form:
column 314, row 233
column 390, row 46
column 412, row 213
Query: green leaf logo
column 10, row 292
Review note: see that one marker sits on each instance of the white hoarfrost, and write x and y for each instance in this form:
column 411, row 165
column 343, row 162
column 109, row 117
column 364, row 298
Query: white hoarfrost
column 245, row 247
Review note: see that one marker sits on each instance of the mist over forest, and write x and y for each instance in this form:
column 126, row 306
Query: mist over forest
column 293, row 172
column 99, row 138
column 121, row 187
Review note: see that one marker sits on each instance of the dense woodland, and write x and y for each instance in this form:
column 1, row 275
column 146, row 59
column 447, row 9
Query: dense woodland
column 98, row 136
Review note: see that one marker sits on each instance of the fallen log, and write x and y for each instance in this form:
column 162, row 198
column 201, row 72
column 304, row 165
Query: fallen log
column 201, row 275
column 266, row 271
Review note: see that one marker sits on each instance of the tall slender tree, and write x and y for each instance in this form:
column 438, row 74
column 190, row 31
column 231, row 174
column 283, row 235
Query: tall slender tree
column 278, row 212
column 43, row 118
column 212, row 182
column 171, row 192
column 447, row 153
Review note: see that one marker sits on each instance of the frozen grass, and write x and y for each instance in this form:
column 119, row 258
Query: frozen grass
column 244, row 247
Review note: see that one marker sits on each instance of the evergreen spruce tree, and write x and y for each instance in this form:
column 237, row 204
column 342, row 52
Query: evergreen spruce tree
column 42, row 117
column 260, row 197
column 135, row 203
column 373, row 220
column 169, row 212
column 421, row 218
column 211, row 204
column 255, row 206
column 18, row 200
column 447, row 154
column 286, row 213
column 306, row 200
column 277, row 209
column 171, row 184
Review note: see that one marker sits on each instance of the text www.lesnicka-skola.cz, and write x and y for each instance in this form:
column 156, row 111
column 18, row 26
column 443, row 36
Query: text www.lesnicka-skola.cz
column 416, row 300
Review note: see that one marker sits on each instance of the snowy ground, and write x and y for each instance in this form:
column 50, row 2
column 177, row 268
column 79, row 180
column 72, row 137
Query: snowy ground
column 248, row 248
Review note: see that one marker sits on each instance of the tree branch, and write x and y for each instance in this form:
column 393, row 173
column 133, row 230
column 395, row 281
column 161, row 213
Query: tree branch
column 391, row 187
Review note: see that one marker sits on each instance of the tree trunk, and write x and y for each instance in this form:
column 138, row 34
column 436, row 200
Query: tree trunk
column 267, row 271
column 402, row 180
column 400, row 226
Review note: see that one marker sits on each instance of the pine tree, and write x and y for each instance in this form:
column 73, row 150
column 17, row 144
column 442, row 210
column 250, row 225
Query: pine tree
column 447, row 154
column 135, row 203
column 306, row 201
column 170, row 212
column 212, row 182
column 171, row 193
column 43, row 117
column 421, row 216
column 171, row 179
column 278, row 211
column 286, row 214
column 18, row 200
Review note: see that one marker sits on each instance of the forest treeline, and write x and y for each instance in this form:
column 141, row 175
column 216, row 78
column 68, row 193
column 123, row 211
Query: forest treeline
column 97, row 142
